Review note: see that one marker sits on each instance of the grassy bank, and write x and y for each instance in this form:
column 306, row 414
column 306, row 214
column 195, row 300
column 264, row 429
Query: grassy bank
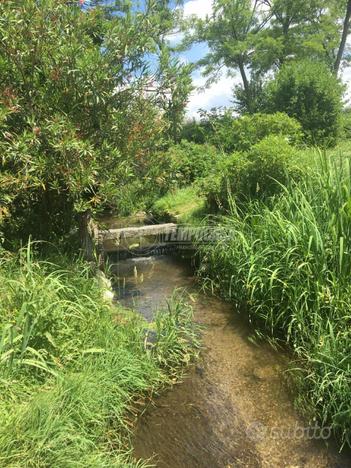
column 287, row 263
column 74, row 370
column 182, row 205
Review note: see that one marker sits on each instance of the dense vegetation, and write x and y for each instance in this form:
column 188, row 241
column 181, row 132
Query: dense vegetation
column 287, row 264
column 80, row 131
column 74, row 371
column 80, row 128
column 93, row 100
column 283, row 211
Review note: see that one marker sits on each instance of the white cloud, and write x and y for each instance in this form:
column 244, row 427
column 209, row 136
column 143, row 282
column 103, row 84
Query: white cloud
column 200, row 8
column 218, row 94
column 174, row 38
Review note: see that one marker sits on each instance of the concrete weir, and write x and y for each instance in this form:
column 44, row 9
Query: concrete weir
column 133, row 238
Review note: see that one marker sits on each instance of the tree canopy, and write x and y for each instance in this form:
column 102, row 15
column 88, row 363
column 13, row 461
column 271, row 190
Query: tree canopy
column 77, row 114
column 255, row 38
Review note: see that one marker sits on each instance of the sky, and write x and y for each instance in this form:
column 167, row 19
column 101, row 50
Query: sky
column 220, row 93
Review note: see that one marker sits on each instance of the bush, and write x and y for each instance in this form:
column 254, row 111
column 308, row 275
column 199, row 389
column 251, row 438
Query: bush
column 268, row 165
column 192, row 161
column 242, row 133
column 346, row 124
column 256, row 173
column 72, row 136
column 311, row 94
column 194, row 131
column 212, row 127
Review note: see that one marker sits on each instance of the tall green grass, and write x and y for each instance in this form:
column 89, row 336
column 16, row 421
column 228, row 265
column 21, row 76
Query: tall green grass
column 287, row 263
column 74, row 371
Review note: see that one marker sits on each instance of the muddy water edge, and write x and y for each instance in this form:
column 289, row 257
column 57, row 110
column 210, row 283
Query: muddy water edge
column 234, row 408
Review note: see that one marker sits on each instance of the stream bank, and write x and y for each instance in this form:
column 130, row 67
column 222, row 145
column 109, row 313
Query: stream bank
column 234, row 408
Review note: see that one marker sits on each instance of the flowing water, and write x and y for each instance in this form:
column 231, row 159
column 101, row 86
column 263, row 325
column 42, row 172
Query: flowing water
column 234, row 409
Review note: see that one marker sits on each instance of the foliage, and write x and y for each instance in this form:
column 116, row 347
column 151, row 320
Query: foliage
column 240, row 134
column 255, row 38
column 77, row 127
column 288, row 265
column 256, row 173
column 269, row 163
column 72, row 367
column 193, row 131
column 346, row 124
column 176, row 85
column 191, row 161
column 312, row 95
column 303, row 29
column 227, row 32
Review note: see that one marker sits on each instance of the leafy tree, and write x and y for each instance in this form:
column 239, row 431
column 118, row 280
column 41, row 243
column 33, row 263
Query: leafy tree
column 77, row 127
column 254, row 38
column 228, row 33
column 298, row 28
column 311, row 94
column 175, row 87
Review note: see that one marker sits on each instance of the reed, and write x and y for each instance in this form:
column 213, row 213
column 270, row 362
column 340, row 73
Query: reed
column 287, row 263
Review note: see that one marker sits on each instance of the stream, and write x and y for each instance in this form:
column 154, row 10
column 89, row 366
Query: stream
column 234, row 408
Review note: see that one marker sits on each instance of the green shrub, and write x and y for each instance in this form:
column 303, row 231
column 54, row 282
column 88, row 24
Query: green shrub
column 242, row 133
column 257, row 173
column 311, row 94
column 162, row 176
column 211, row 128
column 194, row 131
column 346, row 124
column 192, row 161
column 268, row 165
column 72, row 136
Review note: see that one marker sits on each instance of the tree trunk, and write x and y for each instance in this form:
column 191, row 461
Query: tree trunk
column 344, row 35
column 246, row 85
column 88, row 236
